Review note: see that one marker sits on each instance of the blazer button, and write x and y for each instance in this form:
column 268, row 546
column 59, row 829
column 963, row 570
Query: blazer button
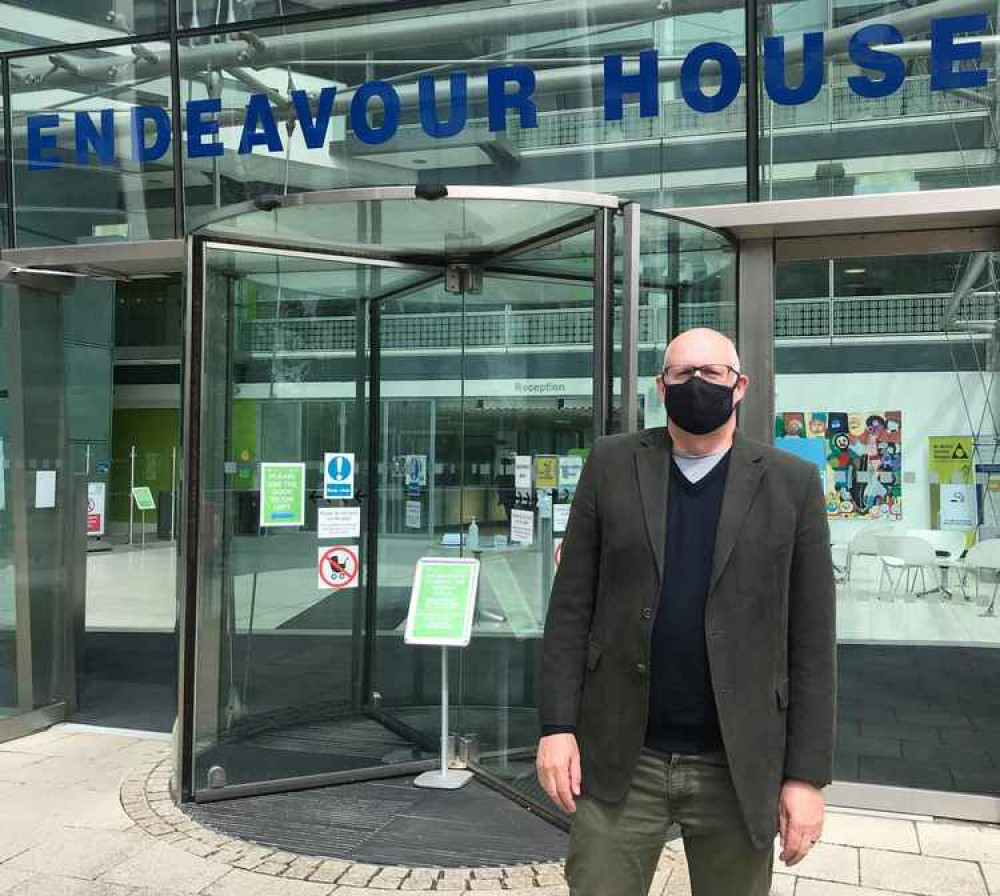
column 641, row 668
column 647, row 613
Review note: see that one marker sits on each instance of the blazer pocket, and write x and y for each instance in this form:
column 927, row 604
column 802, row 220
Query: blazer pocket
column 781, row 690
column 593, row 655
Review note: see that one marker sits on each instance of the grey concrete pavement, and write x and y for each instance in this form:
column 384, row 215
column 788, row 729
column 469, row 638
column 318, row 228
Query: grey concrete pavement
column 64, row 831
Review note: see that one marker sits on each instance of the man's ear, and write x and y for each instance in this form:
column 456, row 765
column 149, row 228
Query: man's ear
column 741, row 388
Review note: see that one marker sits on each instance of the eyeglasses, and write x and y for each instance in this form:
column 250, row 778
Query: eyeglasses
column 720, row 374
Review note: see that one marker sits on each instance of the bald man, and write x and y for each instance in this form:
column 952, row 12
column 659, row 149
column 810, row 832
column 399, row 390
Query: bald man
column 689, row 671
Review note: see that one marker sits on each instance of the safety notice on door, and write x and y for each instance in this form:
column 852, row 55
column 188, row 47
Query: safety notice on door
column 338, row 567
column 338, row 522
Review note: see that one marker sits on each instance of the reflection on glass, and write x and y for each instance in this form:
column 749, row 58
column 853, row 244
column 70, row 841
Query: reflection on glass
column 278, row 674
column 887, row 382
column 687, row 280
column 26, row 24
column 80, row 174
column 8, row 626
column 842, row 144
column 560, row 42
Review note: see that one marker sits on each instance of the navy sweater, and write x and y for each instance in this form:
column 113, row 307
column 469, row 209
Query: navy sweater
column 682, row 713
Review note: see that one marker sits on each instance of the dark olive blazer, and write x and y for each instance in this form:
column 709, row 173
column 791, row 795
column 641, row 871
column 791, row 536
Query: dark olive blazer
column 770, row 622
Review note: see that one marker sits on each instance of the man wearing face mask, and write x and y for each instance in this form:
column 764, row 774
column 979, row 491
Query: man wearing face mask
column 689, row 668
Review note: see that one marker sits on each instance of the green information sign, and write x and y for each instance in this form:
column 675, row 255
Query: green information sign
column 282, row 494
column 143, row 498
column 442, row 602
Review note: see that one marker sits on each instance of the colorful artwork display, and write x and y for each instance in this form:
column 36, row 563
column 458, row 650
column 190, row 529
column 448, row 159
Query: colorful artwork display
column 864, row 459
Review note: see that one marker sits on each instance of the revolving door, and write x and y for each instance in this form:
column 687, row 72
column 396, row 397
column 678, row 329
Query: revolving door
column 457, row 351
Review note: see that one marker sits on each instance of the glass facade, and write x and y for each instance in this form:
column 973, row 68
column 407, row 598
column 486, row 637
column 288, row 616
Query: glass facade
column 456, row 346
column 903, row 428
column 484, row 93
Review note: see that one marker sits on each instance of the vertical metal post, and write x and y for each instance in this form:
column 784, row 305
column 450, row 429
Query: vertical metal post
column 187, row 578
column 756, row 335
column 753, row 99
column 8, row 167
column 431, row 463
column 173, row 492
column 632, row 221
column 131, row 493
column 444, row 712
column 86, row 456
column 603, row 334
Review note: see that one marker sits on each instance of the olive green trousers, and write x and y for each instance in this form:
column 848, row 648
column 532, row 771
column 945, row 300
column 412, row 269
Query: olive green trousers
column 614, row 847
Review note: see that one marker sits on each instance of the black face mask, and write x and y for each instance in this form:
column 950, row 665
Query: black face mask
column 698, row 407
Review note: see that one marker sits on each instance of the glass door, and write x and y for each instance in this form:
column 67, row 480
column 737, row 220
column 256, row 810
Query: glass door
column 42, row 504
column 285, row 520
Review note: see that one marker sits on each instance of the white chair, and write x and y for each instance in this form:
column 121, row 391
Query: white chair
column 908, row 555
column 864, row 544
column 949, row 545
column 984, row 555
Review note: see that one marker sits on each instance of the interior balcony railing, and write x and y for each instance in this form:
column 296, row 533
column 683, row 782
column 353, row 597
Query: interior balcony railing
column 514, row 330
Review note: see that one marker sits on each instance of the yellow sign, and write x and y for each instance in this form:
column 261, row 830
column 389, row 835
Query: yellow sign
column 546, row 472
column 951, row 462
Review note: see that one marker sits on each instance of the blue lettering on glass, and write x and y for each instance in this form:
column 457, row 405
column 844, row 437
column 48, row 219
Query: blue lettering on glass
column 366, row 132
column 161, row 123
column 199, row 127
column 945, row 52
column 259, row 127
column 776, row 76
column 38, row 142
column 730, row 77
column 862, row 53
column 646, row 83
column 458, row 113
column 314, row 129
column 499, row 100
column 88, row 137
column 512, row 88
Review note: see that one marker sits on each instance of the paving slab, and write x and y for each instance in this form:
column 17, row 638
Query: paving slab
column 246, row 883
column 991, row 871
column 960, row 841
column 57, row 885
column 163, row 868
column 826, row 888
column 872, row 831
column 9, row 878
column 825, row 861
column 79, row 852
column 783, row 885
column 921, row 875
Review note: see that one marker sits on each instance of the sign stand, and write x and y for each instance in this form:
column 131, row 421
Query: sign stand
column 444, row 778
column 442, row 604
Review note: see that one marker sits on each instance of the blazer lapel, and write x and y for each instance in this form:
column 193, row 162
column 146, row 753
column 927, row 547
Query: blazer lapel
column 746, row 468
column 652, row 463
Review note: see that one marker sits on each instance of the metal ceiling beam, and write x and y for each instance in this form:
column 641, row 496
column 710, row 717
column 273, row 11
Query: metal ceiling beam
column 251, row 50
column 970, row 276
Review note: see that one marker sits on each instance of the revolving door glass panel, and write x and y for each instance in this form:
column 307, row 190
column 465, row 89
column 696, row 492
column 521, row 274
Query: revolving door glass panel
column 458, row 368
column 281, row 610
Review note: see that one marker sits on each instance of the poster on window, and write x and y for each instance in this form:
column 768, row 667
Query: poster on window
column 862, row 458
column 96, row 494
column 522, row 526
column 959, row 511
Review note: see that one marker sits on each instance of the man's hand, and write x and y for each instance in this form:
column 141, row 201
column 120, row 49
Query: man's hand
column 800, row 820
column 559, row 769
